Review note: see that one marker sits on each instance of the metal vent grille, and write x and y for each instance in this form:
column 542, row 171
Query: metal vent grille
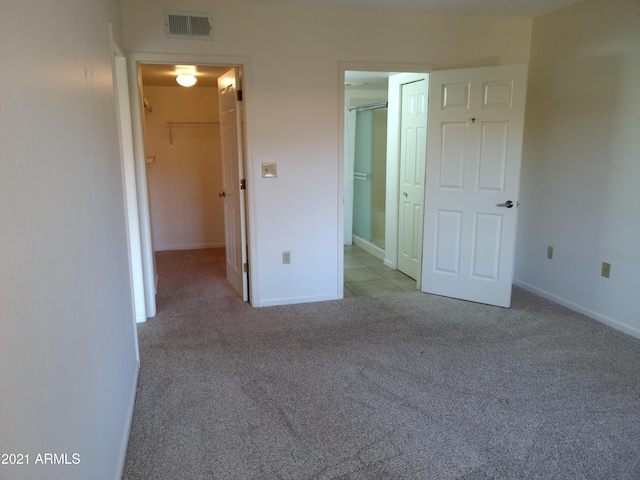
column 196, row 26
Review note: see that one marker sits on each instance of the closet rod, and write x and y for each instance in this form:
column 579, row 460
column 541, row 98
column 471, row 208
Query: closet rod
column 171, row 124
column 192, row 123
column 372, row 106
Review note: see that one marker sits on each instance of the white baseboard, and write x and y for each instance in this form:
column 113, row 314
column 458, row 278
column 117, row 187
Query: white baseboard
column 369, row 247
column 295, row 300
column 189, row 246
column 634, row 332
column 127, row 427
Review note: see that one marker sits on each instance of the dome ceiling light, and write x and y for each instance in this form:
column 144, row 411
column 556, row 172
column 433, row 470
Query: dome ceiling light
column 186, row 75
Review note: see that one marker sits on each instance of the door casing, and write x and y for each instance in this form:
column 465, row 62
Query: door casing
column 135, row 88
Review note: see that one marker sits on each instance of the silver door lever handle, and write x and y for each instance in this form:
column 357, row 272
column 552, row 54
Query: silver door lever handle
column 507, row 204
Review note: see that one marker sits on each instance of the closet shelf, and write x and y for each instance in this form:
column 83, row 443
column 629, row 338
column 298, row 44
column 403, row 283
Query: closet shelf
column 172, row 124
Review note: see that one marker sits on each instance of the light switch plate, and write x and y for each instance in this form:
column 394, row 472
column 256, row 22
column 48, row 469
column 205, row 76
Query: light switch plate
column 269, row 170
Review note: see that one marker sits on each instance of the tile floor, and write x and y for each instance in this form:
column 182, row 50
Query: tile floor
column 367, row 276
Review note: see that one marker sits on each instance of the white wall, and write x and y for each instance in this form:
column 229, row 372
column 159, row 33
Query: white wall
column 186, row 177
column 292, row 103
column 67, row 342
column 581, row 165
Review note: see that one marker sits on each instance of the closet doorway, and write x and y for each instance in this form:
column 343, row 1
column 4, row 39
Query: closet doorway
column 183, row 159
column 186, row 160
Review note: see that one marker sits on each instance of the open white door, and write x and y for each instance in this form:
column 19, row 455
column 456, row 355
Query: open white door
column 232, row 175
column 413, row 138
column 476, row 119
column 129, row 174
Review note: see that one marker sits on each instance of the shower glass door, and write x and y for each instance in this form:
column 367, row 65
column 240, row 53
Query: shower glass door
column 362, row 175
column 370, row 175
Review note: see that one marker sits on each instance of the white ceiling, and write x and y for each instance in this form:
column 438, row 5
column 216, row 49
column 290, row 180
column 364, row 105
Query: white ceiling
column 501, row 8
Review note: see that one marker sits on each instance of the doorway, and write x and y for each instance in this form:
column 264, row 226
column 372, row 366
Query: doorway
column 475, row 121
column 183, row 158
column 375, row 149
column 185, row 162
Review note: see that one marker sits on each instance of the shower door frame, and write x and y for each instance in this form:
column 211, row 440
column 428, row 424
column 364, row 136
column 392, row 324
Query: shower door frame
column 369, row 174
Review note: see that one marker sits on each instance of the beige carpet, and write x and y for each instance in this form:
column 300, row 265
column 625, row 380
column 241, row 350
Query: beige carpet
column 406, row 386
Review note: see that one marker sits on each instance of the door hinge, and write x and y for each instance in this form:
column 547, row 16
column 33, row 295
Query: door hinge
column 239, row 95
column 243, row 184
column 245, row 267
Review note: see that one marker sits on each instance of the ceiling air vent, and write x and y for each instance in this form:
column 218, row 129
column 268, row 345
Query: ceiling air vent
column 191, row 25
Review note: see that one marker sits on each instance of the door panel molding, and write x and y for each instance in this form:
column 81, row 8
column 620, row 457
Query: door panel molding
column 413, row 139
column 392, row 250
column 476, row 123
